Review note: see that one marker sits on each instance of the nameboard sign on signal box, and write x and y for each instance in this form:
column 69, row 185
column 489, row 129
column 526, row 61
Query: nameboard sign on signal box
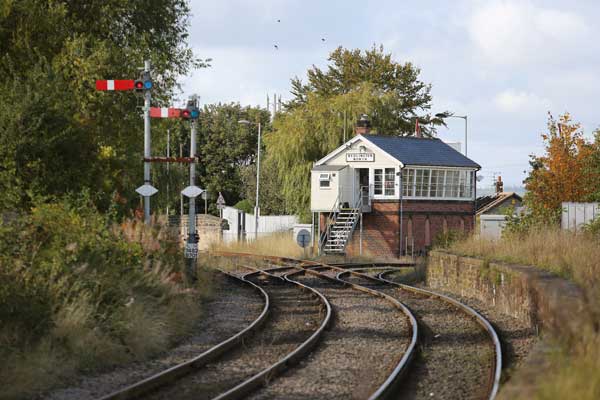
column 360, row 157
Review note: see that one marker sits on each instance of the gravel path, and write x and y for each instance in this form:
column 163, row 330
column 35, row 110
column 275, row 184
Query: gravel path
column 354, row 357
column 456, row 354
column 232, row 307
column 294, row 316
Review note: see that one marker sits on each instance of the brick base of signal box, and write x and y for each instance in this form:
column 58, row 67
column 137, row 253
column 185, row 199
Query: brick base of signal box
column 422, row 220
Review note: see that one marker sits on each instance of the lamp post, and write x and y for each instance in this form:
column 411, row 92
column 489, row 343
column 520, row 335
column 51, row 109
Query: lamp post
column 256, row 207
column 444, row 115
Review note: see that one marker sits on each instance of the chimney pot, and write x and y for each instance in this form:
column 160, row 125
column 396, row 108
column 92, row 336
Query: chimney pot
column 363, row 125
column 499, row 185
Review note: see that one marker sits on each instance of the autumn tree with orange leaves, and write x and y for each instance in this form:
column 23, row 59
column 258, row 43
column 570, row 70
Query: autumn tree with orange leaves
column 566, row 172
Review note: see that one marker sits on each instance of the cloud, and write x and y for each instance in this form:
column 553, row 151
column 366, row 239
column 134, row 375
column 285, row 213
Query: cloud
column 520, row 33
column 521, row 102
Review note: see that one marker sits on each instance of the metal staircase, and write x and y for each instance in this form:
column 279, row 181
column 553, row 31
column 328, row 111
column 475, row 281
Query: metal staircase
column 341, row 231
column 340, row 227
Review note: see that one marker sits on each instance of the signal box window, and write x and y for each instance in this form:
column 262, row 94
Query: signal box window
column 324, row 181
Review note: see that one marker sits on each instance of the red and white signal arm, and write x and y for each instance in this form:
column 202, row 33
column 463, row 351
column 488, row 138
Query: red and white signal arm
column 165, row 112
column 115, row 84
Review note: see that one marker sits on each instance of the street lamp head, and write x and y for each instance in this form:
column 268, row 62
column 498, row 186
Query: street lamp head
column 244, row 122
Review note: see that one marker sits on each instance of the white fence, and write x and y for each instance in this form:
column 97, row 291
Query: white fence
column 241, row 224
column 575, row 215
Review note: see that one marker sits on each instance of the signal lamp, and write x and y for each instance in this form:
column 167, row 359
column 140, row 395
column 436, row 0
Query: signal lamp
column 138, row 85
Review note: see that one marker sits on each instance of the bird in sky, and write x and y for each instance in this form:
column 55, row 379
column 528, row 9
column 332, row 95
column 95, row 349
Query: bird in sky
column 322, row 39
column 278, row 20
column 276, row 47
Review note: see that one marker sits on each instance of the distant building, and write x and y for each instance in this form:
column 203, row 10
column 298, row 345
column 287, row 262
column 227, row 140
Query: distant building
column 492, row 210
column 499, row 202
column 407, row 190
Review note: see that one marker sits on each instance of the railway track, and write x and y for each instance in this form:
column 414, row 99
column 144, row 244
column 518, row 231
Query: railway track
column 290, row 324
column 362, row 355
column 368, row 350
column 460, row 353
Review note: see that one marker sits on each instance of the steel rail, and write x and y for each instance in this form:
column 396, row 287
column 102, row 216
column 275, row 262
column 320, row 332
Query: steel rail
column 171, row 374
column 302, row 350
column 478, row 318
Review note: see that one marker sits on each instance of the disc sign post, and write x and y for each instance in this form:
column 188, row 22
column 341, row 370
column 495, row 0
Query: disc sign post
column 303, row 239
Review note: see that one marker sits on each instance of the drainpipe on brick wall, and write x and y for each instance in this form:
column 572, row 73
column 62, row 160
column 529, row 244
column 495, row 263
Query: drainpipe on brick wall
column 400, row 215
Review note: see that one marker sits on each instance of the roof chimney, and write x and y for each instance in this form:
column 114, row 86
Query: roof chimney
column 499, row 185
column 363, row 125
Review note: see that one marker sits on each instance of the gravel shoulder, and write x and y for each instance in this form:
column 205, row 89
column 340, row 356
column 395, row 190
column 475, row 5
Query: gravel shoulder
column 365, row 342
column 232, row 307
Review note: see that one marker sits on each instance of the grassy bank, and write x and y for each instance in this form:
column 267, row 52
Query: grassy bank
column 574, row 373
column 80, row 294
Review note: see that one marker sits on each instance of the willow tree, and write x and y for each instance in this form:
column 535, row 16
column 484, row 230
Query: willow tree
column 313, row 124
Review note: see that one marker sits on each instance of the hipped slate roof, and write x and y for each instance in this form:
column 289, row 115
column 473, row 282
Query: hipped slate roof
column 421, row 151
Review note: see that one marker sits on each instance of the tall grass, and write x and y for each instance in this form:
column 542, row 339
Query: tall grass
column 278, row 244
column 575, row 371
column 79, row 294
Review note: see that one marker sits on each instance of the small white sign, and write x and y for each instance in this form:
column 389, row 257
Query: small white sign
column 360, row 157
column 220, row 202
column 191, row 250
column 192, row 191
column 147, row 190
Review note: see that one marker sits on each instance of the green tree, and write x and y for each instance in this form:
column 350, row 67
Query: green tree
column 58, row 134
column 406, row 98
column 225, row 147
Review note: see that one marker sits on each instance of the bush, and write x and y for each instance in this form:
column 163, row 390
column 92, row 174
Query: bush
column 593, row 228
column 245, row 206
column 79, row 293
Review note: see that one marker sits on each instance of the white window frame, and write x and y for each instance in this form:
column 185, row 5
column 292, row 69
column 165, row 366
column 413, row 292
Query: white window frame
column 395, row 186
column 464, row 174
column 324, row 177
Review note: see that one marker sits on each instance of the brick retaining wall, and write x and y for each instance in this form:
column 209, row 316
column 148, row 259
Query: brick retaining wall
column 544, row 301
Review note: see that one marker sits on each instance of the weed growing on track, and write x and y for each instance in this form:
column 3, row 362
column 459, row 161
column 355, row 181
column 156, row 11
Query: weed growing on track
column 574, row 372
column 79, row 294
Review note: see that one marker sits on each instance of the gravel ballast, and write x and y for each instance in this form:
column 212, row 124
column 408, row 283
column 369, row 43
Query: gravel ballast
column 356, row 355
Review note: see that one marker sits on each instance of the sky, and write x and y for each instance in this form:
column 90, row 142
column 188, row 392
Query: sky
column 504, row 64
